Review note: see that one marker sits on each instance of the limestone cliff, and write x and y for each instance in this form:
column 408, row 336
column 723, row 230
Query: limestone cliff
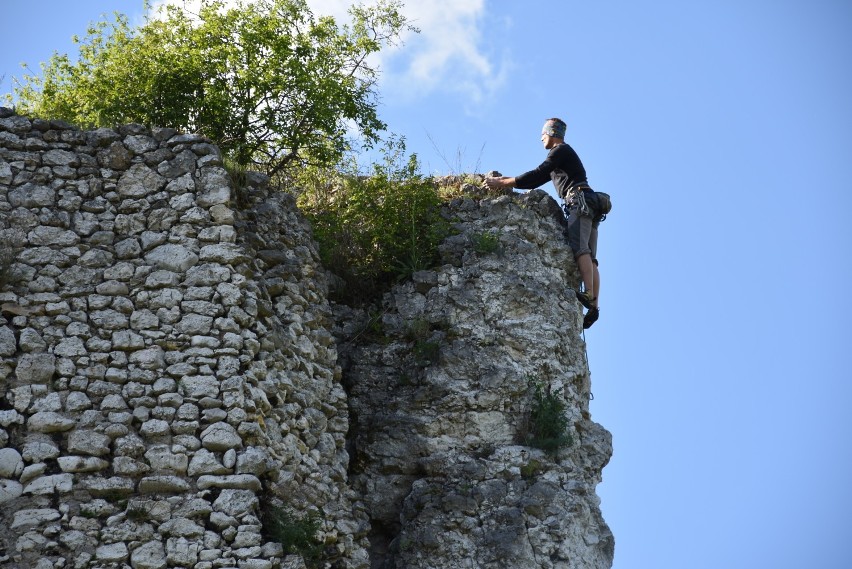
column 440, row 402
column 172, row 375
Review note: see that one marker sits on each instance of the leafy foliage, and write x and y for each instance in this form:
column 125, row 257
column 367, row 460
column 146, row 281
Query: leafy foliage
column 548, row 425
column 426, row 352
column 531, row 469
column 266, row 81
column 425, row 347
column 8, row 275
column 485, row 242
column 374, row 230
column 295, row 534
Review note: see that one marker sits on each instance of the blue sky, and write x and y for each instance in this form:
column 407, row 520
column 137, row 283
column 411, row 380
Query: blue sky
column 723, row 132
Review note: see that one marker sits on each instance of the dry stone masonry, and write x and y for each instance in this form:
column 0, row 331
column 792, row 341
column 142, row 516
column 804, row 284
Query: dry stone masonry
column 167, row 362
column 173, row 376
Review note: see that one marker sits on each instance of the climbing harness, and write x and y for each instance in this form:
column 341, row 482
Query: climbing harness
column 577, row 195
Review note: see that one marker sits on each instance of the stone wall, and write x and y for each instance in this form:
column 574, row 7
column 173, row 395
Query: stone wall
column 167, row 367
column 172, row 375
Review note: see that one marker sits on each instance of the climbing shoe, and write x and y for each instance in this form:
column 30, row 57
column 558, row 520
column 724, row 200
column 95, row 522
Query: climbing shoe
column 585, row 299
column 591, row 317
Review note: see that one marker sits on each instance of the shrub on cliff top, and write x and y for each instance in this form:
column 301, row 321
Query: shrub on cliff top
column 265, row 80
column 373, row 230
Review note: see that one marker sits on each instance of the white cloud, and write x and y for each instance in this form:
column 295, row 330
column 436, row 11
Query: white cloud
column 448, row 56
column 448, row 53
column 339, row 9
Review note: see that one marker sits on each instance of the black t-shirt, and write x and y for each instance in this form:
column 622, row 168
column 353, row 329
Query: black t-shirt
column 562, row 166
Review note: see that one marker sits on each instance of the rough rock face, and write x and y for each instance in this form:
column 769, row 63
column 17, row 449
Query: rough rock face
column 167, row 363
column 172, row 375
column 440, row 392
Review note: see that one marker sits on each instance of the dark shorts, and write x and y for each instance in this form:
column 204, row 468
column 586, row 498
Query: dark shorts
column 582, row 233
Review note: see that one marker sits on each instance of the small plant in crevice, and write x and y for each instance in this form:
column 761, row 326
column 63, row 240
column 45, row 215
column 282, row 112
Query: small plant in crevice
column 485, row 450
column 371, row 328
column 405, row 544
column 547, row 426
column 426, row 345
column 8, row 275
column 238, row 173
column 375, row 328
column 426, row 352
column 531, row 469
column 485, row 243
column 417, row 329
column 138, row 513
column 116, row 498
column 296, row 534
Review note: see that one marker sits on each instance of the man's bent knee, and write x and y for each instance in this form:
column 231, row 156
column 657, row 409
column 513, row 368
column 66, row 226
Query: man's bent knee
column 589, row 252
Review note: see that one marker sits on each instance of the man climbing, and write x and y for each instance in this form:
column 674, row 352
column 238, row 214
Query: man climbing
column 563, row 167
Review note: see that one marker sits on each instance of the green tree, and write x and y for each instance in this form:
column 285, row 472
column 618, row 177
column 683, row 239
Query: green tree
column 271, row 84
